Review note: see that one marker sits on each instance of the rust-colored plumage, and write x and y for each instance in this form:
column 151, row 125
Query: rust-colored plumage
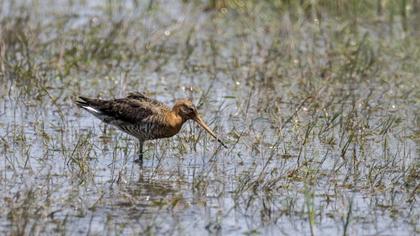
column 143, row 117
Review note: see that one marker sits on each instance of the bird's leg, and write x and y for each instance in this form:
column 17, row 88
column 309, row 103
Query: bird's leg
column 140, row 159
column 104, row 131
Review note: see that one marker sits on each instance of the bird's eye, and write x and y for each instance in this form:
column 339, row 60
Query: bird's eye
column 187, row 109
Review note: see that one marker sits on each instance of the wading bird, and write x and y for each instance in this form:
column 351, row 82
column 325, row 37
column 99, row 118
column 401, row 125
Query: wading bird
column 143, row 117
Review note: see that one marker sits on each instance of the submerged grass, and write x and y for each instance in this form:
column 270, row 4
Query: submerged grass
column 317, row 100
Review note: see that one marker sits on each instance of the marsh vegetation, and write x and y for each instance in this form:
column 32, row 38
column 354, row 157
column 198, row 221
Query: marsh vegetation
column 318, row 102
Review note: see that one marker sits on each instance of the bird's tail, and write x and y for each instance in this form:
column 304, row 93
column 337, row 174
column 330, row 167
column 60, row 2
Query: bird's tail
column 88, row 104
column 82, row 101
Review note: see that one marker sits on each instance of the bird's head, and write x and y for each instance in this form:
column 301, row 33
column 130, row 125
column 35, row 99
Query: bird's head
column 186, row 109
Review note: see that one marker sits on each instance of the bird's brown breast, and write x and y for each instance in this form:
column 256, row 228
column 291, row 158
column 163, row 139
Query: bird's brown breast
column 174, row 123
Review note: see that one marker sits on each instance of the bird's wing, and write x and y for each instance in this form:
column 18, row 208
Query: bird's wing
column 141, row 97
column 133, row 109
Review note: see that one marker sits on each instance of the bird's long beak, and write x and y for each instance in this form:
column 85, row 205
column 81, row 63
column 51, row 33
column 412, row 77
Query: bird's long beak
column 204, row 126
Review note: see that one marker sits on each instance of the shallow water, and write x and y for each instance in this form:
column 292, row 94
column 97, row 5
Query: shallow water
column 320, row 118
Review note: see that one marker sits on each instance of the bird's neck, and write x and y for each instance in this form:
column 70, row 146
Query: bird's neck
column 176, row 114
column 174, row 120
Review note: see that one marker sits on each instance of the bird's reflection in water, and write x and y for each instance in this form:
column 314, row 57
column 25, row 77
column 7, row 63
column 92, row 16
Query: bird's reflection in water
column 151, row 192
